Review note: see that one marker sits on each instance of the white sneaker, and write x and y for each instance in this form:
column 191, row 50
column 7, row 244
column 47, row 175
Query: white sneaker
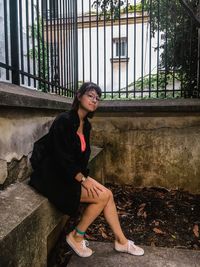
column 80, row 248
column 130, row 248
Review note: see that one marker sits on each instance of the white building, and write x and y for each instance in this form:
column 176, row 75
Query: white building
column 117, row 53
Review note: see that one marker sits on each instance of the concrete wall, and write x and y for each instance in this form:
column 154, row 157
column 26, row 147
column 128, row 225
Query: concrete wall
column 25, row 116
column 146, row 143
column 150, row 149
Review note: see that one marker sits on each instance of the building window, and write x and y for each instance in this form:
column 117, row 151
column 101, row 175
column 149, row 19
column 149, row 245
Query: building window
column 120, row 47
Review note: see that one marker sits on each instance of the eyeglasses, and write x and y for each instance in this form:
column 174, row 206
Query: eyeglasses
column 92, row 97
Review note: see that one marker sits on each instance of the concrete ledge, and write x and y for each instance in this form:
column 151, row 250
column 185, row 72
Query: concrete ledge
column 150, row 105
column 30, row 224
column 27, row 219
column 17, row 96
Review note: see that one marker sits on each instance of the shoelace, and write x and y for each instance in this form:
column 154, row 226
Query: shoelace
column 131, row 243
column 85, row 244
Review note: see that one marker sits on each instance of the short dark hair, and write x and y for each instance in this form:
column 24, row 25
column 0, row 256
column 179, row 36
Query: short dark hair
column 85, row 87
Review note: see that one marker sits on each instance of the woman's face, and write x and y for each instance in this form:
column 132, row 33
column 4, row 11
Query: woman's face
column 89, row 101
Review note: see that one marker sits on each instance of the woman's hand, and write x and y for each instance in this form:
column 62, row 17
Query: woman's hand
column 91, row 187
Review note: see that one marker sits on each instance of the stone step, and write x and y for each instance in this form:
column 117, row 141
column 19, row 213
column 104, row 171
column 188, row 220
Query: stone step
column 106, row 256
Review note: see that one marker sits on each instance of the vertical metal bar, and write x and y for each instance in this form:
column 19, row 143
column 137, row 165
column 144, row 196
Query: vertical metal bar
column 21, row 40
column 44, row 67
column 68, row 42
column 6, row 38
column 120, row 46
column 104, row 48
column 67, row 45
column 83, row 43
column 61, row 45
column 76, row 45
column 173, row 71
column 166, row 49
column 47, row 43
column 150, row 19
column 142, row 59
column 33, row 40
column 127, row 41
column 198, row 60
column 158, row 47
column 90, row 40
column 55, row 46
column 14, row 41
column 27, row 41
column 70, row 47
column 112, row 48
column 64, row 44
column 190, row 56
column 58, row 43
column 38, row 40
column 97, row 44
column 51, row 43
column 134, row 48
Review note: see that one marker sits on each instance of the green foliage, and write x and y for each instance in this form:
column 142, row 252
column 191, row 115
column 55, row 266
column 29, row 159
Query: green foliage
column 112, row 9
column 179, row 49
column 180, row 46
column 39, row 52
column 157, row 83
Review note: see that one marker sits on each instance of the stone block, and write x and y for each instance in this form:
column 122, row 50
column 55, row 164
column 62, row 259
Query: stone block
column 30, row 224
column 3, row 171
column 27, row 219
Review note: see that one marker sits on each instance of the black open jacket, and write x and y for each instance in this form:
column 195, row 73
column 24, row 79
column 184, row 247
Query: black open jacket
column 55, row 178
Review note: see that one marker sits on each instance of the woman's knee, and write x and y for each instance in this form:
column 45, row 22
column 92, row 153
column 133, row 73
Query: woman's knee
column 105, row 196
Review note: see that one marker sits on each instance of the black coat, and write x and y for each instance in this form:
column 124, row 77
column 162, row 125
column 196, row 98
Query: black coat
column 55, row 178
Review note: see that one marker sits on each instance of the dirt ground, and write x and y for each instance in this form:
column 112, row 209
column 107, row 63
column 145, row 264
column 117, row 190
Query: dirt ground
column 150, row 216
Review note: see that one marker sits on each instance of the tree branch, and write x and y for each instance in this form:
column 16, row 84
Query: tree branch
column 190, row 12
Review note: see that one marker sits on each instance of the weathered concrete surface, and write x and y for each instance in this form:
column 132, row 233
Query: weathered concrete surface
column 25, row 115
column 19, row 130
column 150, row 150
column 12, row 95
column 30, row 225
column 27, row 219
column 106, row 256
column 3, row 171
column 147, row 142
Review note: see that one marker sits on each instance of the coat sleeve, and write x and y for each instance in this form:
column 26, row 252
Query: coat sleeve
column 64, row 154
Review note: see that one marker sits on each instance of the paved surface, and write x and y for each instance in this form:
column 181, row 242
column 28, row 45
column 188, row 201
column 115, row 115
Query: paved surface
column 105, row 256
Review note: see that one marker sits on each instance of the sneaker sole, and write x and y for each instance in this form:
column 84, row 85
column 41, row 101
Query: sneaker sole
column 125, row 251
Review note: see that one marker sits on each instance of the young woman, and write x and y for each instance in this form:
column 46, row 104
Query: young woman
column 64, row 178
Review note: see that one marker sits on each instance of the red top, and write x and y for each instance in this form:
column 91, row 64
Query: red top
column 82, row 139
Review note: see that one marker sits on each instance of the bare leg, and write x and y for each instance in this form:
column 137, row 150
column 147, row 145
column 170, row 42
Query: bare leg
column 96, row 204
column 105, row 203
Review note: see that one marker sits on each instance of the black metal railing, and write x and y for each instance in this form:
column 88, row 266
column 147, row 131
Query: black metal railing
column 39, row 42
column 146, row 49
column 132, row 49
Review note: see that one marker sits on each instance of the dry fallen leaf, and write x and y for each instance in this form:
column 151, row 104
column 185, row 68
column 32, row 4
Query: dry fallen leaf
column 196, row 230
column 158, row 231
column 103, row 232
column 141, row 211
column 144, row 214
column 156, row 223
